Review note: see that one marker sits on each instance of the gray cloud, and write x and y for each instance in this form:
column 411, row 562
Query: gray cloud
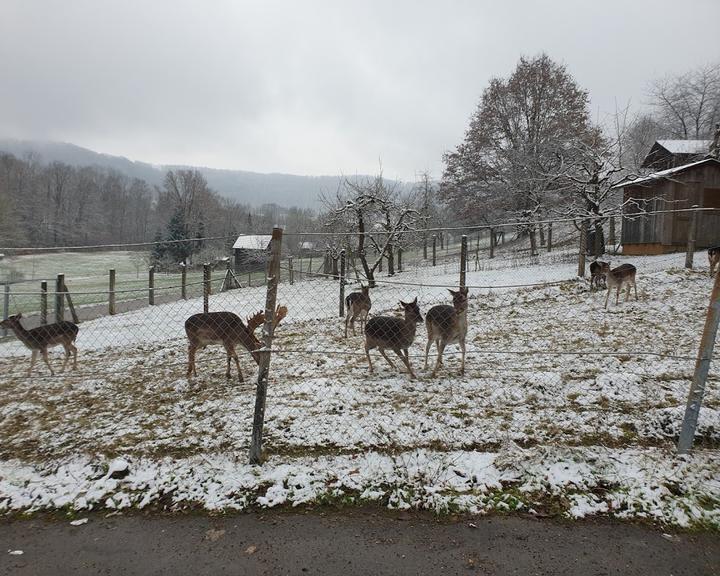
column 312, row 87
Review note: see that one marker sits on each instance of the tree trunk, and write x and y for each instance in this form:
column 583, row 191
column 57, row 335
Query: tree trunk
column 390, row 259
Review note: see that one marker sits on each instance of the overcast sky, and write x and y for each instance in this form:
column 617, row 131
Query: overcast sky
column 314, row 87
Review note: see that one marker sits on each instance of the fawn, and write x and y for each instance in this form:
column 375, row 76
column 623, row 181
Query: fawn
column 447, row 325
column 598, row 273
column 714, row 258
column 358, row 305
column 43, row 337
column 227, row 329
column 621, row 277
column 397, row 334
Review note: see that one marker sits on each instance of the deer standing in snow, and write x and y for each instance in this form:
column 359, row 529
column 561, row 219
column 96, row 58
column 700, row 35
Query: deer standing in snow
column 43, row 337
column 358, row 306
column 598, row 273
column 621, row 277
column 447, row 325
column 229, row 330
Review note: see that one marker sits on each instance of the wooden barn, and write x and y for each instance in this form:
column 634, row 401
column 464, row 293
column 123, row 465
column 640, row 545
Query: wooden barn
column 666, row 154
column 251, row 252
column 696, row 183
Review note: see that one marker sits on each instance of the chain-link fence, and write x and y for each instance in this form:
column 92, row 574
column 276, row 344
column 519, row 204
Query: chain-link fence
column 545, row 362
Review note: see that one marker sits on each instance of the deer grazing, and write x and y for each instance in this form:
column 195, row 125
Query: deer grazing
column 714, row 258
column 229, row 330
column 621, row 277
column 43, row 337
column 358, row 306
column 598, row 273
column 447, row 325
column 396, row 334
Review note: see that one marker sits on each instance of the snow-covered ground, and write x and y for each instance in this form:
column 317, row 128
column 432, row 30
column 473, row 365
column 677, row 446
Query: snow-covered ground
column 564, row 405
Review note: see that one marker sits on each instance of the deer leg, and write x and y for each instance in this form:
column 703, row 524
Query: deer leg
column 607, row 297
column 367, row 353
column 32, row 361
column 47, row 362
column 66, row 346
column 440, row 350
column 382, row 351
column 74, row 351
column 347, row 319
column 233, row 354
column 427, row 351
column 617, row 295
column 406, row 360
column 462, row 357
column 635, row 287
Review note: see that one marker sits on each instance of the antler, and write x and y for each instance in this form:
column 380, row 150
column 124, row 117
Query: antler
column 254, row 321
column 280, row 313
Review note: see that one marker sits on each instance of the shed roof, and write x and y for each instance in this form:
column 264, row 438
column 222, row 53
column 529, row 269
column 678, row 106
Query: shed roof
column 685, row 146
column 252, row 241
column 644, row 181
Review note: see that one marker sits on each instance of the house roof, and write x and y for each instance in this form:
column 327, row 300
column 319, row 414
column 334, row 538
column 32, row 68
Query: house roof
column 253, row 241
column 685, row 146
column 646, row 180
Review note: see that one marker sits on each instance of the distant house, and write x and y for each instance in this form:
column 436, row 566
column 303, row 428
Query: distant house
column 251, row 252
column 666, row 154
column 695, row 183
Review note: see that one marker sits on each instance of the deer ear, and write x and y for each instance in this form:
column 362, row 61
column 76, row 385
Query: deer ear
column 415, row 301
column 464, row 290
column 18, row 315
column 402, row 304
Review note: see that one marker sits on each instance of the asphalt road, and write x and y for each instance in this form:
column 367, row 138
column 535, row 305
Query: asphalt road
column 346, row 543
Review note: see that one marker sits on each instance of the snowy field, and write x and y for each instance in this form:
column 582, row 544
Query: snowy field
column 565, row 407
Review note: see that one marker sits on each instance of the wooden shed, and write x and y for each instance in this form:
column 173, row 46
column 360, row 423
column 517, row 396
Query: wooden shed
column 251, row 252
column 696, row 183
column 666, row 154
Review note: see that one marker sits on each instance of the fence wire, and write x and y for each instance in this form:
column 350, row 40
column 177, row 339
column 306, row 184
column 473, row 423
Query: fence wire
column 545, row 361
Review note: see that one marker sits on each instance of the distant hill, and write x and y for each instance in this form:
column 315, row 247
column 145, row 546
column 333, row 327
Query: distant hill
column 251, row 188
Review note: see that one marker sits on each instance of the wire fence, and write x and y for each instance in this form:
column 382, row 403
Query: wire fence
column 530, row 352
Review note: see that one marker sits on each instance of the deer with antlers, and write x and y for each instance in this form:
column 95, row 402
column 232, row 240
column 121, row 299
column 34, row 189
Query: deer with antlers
column 228, row 329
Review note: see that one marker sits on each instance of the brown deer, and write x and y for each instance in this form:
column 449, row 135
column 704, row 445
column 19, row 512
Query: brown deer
column 396, row 334
column 447, row 325
column 43, row 337
column 714, row 258
column 227, row 329
column 621, row 277
column 358, row 306
column 598, row 273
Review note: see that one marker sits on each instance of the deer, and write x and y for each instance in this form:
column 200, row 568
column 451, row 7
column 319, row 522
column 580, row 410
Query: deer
column 43, row 337
column 447, row 325
column 714, row 259
column 358, row 306
column 598, row 273
column 228, row 329
column 621, row 277
column 396, row 334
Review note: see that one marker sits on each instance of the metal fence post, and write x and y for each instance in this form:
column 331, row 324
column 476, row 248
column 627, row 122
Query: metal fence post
column 183, row 281
column 6, row 305
column 111, row 293
column 43, row 303
column 59, row 298
column 692, row 233
column 463, row 260
column 342, row 283
column 291, row 270
column 207, row 287
column 434, row 249
column 151, row 285
column 702, row 367
column 264, row 363
column 583, row 248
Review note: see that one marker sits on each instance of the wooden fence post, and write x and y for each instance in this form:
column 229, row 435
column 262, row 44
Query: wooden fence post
column 207, row 287
column 492, row 242
column 59, row 298
column 111, row 293
column 463, row 260
column 264, row 356
column 549, row 237
column 342, row 283
column 6, row 306
column 692, row 233
column 434, row 249
column 43, row 303
column 183, row 281
column 583, row 248
column 71, row 306
column 533, row 240
column 702, row 368
column 291, row 270
column 151, row 285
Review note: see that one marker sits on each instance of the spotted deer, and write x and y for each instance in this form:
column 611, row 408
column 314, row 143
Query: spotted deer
column 598, row 273
column 621, row 277
column 228, row 329
column 392, row 333
column 447, row 325
column 43, row 337
column 358, row 305
column 714, row 259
